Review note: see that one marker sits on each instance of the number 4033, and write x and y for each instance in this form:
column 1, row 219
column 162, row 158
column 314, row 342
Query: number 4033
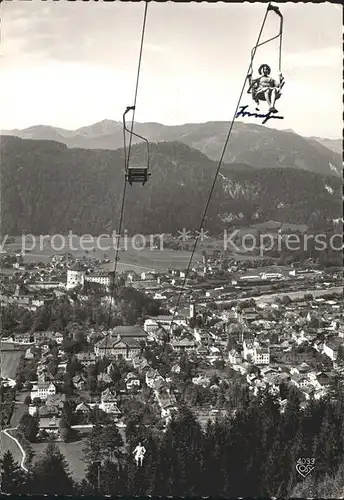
column 306, row 461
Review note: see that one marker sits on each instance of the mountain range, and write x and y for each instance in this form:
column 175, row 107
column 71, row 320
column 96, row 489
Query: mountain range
column 335, row 145
column 49, row 188
column 255, row 145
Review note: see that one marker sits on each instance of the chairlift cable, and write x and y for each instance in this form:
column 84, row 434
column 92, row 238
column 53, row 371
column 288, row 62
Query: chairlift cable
column 220, row 163
column 126, row 163
column 137, row 79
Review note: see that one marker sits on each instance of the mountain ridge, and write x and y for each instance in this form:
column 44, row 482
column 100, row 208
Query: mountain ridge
column 253, row 144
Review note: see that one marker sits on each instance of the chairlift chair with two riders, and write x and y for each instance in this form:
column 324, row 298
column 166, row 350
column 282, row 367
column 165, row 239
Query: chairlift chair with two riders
column 265, row 88
column 135, row 174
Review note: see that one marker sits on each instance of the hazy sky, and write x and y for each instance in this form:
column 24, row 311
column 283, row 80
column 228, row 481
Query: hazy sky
column 70, row 64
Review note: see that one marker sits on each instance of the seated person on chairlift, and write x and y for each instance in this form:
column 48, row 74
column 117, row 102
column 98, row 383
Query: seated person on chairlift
column 265, row 88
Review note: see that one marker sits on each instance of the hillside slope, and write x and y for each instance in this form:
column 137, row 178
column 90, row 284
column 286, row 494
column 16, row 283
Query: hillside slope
column 335, row 145
column 48, row 188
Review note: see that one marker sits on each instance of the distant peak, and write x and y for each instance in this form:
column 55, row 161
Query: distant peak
column 106, row 121
column 289, row 130
column 103, row 127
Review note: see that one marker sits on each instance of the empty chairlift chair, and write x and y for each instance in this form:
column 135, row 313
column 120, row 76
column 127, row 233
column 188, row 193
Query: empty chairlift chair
column 135, row 174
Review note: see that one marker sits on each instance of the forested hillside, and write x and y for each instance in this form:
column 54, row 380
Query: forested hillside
column 253, row 454
column 47, row 188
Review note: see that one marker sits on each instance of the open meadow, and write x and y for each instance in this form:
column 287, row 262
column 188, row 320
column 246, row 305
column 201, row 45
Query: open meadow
column 131, row 254
column 7, row 444
column 300, row 294
column 73, row 454
column 10, row 362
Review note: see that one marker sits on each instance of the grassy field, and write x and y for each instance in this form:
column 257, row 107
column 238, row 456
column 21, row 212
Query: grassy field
column 19, row 410
column 131, row 258
column 300, row 294
column 73, row 454
column 147, row 260
column 9, row 363
column 7, row 444
column 284, row 270
column 72, row 451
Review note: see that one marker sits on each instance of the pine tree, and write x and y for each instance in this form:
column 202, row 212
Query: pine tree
column 93, row 445
column 92, row 478
column 104, row 442
column 182, row 457
column 112, row 443
column 104, row 455
column 268, row 443
column 143, row 480
column 109, row 478
column 13, row 478
column 151, row 463
column 330, row 486
column 136, row 477
column 65, row 429
column 312, row 418
column 28, row 427
column 325, row 447
column 83, row 488
column 50, row 474
column 216, row 442
column 292, row 452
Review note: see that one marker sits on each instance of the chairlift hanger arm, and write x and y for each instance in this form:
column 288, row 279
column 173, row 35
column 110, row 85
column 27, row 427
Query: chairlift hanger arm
column 275, row 9
column 266, row 41
column 129, row 131
column 132, row 108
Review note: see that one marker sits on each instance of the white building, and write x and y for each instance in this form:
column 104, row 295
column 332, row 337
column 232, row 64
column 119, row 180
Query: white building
column 109, row 403
column 183, row 345
column 147, row 276
column 261, row 356
column 42, row 390
column 250, row 277
column 271, row 276
column 131, row 381
column 58, row 337
column 192, row 313
column 197, row 333
column 154, row 323
column 331, row 350
column 101, row 279
column 234, row 357
column 150, row 326
column 248, row 349
column 33, row 410
column 75, row 278
column 7, row 382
